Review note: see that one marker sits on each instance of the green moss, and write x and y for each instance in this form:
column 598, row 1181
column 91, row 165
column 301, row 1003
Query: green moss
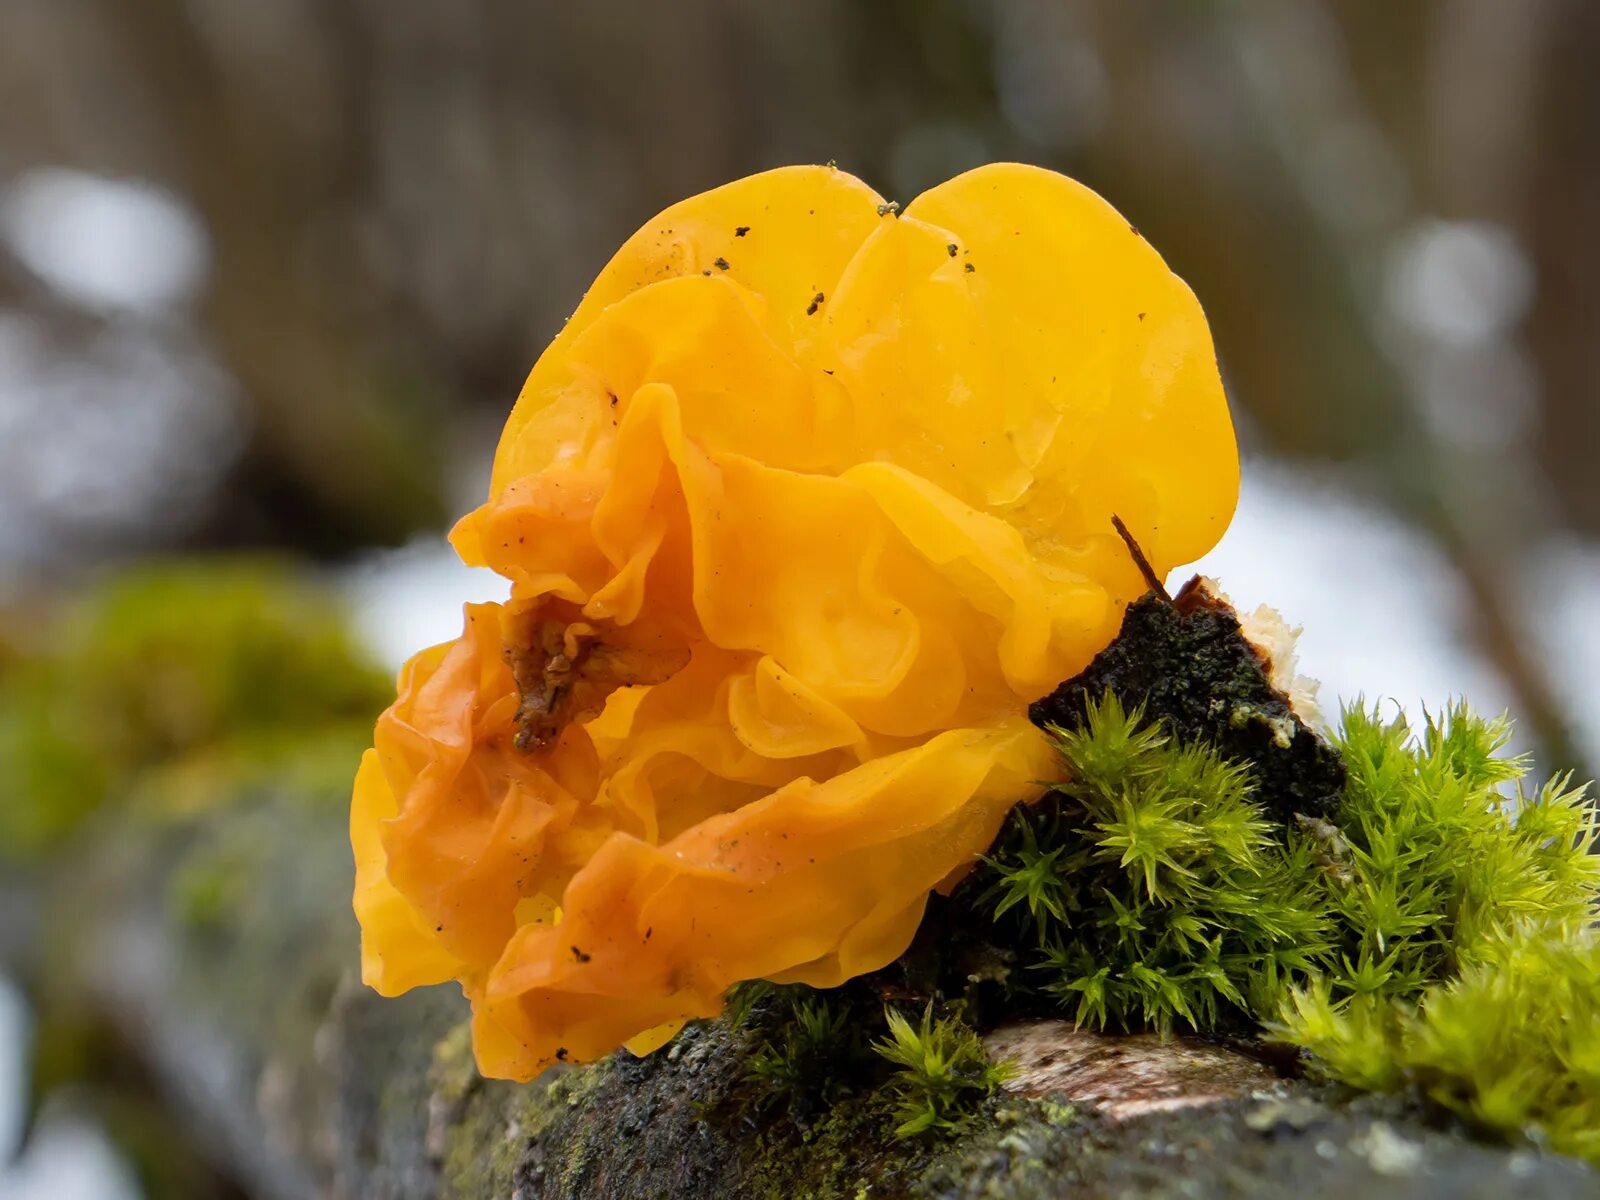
column 1468, row 966
column 942, row 1073
column 1514, row 1043
column 1434, row 859
column 1433, row 931
column 1151, row 890
column 182, row 680
column 809, row 1052
column 204, row 892
column 1511, row 1043
column 453, row 1073
column 484, row 1126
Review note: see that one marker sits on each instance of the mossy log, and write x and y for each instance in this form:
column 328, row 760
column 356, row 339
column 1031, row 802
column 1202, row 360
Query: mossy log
column 220, row 948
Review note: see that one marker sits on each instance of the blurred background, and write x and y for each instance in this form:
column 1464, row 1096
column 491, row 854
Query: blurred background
column 271, row 273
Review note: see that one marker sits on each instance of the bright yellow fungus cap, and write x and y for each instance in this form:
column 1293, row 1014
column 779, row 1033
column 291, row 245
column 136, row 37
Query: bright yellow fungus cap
column 802, row 508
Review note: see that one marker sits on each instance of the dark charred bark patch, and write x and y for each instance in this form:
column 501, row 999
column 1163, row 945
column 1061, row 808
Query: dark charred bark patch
column 1188, row 664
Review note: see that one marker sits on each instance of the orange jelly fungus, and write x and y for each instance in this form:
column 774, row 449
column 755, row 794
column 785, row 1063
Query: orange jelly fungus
column 805, row 504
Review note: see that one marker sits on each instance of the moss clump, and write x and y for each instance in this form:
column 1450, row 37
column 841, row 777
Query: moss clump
column 1150, row 889
column 1467, row 965
column 808, row 1052
column 206, row 674
column 1512, row 1044
column 1435, row 929
column 942, row 1072
column 1429, row 860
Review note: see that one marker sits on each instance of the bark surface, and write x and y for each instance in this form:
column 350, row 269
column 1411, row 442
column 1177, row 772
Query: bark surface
column 221, row 949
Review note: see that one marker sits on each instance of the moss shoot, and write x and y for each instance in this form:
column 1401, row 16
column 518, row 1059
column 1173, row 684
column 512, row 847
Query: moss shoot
column 941, row 1072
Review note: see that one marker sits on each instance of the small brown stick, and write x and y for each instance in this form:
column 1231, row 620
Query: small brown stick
column 1140, row 560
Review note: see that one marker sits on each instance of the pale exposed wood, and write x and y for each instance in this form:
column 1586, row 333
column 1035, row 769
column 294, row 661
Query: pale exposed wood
column 1123, row 1077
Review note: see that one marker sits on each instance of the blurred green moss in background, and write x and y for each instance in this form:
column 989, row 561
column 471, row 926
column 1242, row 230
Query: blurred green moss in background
column 175, row 684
